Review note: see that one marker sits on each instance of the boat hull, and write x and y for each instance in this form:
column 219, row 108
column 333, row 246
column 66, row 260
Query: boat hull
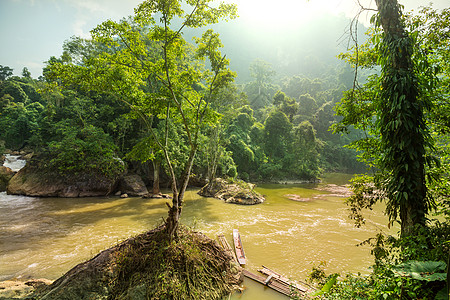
column 240, row 255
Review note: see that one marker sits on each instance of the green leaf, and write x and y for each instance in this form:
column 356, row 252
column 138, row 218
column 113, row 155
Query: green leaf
column 442, row 295
column 327, row 286
column 422, row 270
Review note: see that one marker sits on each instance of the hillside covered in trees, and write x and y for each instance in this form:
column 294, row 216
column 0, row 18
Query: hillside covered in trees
column 139, row 96
column 273, row 126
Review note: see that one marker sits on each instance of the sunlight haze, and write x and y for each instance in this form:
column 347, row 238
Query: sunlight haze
column 34, row 30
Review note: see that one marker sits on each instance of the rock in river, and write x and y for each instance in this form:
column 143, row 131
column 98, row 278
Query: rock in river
column 5, row 176
column 235, row 191
column 31, row 181
column 132, row 185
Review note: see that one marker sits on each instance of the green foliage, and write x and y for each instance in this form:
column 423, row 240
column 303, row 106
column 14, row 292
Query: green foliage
column 317, row 274
column 411, row 267
column 26, row 73
column 2, row 146
column 278, row 149
column 15, row 89
column 242, row 145
column 305, row 150
column 396, row 111
column 327, row 286
column 261, row 71
column 422, row 270
column 147, row 65
column 287, row 105
column 261, row 90
column 307, row 104
column 20, row 124
column 277, row 130
column 85, row 150
column 5, row 72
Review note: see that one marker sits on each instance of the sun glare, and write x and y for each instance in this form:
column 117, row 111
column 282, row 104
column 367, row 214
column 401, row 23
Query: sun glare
column 279, row 12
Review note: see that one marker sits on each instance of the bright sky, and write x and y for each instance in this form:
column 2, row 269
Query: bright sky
column 33, row 30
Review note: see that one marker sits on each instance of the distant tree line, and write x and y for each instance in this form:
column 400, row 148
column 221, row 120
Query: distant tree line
column 267, row 131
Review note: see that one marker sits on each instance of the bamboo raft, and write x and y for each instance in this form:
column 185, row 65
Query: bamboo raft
column 280, row 283
column 302, row 287
column 272, row 279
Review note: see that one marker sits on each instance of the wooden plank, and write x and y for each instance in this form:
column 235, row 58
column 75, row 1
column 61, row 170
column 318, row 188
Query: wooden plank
column 273, row 285
column 238, row 247
column 284, row 280
column 224, row 244
column 268, row 279
column 303, row 287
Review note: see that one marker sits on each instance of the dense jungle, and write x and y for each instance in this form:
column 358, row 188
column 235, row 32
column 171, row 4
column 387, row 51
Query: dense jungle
column 181, row 95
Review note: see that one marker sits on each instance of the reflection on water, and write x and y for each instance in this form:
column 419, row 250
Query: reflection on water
column 45, row 237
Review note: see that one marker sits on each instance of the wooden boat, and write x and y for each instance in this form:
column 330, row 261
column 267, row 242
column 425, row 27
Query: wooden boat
column 240, row 255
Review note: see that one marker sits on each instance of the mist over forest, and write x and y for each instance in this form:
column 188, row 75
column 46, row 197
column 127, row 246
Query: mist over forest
column 307, row 48
column 177, row 97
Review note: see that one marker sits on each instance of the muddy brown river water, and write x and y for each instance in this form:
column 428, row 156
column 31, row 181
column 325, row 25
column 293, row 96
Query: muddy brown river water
column 45, row 237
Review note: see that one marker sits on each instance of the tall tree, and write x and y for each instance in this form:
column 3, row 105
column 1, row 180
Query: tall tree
column 277, row 130
column 5, row 72
column 390, row 109
column 149, row 66
column 26, row 73
column 401, row 121
column 260, row 91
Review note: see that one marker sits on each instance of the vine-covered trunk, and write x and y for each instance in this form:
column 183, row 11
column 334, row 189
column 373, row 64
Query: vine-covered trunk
column 401, row 122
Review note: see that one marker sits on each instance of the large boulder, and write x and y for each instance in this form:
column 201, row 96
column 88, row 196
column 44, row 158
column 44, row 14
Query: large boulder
column 34, row 182
column 236, row 191
column 5, row 176
column 132, row 185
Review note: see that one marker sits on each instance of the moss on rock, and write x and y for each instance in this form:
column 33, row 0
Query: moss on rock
column 232, row 191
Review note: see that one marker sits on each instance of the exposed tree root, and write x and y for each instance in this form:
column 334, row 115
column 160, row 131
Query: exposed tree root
column 150, row 266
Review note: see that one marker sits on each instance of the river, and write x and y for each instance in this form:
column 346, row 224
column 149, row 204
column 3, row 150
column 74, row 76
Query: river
column 45, row 237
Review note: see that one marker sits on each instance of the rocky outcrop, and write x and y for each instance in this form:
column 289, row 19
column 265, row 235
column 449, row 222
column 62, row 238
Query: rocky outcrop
column 132, row 185
column 36, row 183
column 5, row 176
column 238, row 192
column 27, row 156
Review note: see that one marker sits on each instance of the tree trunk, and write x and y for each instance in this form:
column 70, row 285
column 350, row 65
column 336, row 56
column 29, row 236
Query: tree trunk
column 401, row 122
column 177, row 201
column 156, row 176
column 213, row 153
